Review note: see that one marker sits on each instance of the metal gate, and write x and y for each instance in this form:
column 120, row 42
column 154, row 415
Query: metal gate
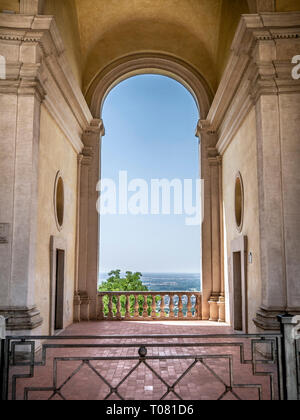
column 181, row 367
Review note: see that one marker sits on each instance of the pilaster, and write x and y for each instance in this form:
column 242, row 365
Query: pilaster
column 37, row 73
column 259, row 75
column 211, row 171
column 89, row 221
column 21, row 98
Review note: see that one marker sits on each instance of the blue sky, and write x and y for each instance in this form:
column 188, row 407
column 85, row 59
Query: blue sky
column 150, row 124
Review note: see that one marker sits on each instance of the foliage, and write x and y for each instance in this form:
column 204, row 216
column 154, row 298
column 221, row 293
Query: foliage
column 131, row 283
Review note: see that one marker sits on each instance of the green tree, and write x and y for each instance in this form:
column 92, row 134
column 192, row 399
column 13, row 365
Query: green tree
column 130, row 283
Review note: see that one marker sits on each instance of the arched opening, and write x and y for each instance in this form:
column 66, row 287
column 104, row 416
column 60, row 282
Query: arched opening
column 211, row 300
column 150, row 149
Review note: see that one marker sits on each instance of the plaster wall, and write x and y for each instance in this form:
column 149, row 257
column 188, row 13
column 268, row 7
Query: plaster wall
column 56, row 154
column 241, row 156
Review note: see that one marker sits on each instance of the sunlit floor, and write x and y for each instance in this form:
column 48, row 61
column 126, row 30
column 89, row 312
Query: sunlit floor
column 174, row 368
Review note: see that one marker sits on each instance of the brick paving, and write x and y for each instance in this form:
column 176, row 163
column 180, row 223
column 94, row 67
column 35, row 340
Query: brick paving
column 206, row 380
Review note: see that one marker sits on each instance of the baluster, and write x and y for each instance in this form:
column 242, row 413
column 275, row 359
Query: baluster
column 101, row 308
column 153, row 307
column 162, row 307
column 136, row 306
column 172, row 306
column 110, row 311
column 118, row 315
column 145, row 307
column 198, row 306
column 127, row 307
column 189, row 306
column 180, row 306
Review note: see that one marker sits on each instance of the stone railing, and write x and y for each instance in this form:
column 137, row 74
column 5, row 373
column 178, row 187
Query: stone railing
column 149, row 306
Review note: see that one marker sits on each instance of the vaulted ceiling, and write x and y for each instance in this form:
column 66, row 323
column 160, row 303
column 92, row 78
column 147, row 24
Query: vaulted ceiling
column 186, row 29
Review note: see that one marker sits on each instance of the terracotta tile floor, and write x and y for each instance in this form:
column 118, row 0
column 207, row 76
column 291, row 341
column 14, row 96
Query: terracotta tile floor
column 206, row 380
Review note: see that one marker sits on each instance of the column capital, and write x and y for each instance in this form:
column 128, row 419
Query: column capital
column 214, row 158
column 95, row 128
column 204, row 127
column 37, row 64
column 86, row 157
column 260, row 64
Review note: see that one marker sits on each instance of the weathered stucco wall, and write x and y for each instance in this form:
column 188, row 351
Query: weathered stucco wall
column 56, row 154
column 241, row 156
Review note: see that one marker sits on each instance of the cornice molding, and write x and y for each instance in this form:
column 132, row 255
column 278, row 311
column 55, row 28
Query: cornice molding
column 251, row 72
column 49, row 73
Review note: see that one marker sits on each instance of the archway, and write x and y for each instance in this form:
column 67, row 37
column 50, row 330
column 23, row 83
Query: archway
column 209, row 168
column 150, row 220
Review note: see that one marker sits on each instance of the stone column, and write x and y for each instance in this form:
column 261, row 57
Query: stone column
column 277, row 101
column 20, row 100
column 88, row 240
column 215, row 173
column 271, row 213
column 212, row 305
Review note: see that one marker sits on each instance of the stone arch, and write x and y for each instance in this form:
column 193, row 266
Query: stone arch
column 147, row 63
column 209, row 168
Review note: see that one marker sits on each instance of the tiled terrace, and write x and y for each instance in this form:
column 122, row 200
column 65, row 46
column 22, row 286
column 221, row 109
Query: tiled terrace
column 208, row 379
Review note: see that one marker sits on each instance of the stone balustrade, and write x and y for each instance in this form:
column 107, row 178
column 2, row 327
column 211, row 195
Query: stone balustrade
column 149, row 306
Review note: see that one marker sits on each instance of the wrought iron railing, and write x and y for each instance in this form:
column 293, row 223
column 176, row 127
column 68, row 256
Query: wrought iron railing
column 149, row 306
column 184, row 367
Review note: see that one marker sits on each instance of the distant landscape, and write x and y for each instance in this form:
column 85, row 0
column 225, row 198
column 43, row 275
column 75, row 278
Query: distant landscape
column 167, row 282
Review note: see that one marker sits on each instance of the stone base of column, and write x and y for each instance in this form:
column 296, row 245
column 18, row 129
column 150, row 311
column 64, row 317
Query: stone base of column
column 76, row 312
column 213, row 308
column 82, row 307
column 266, row 319
column 21, row 318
